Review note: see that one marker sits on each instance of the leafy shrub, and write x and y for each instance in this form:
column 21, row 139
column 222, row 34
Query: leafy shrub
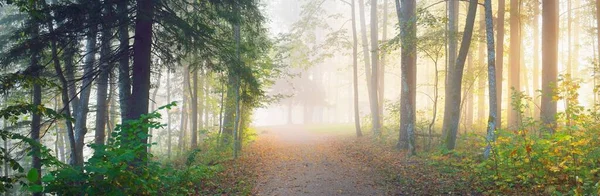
column 14, row 113
column 564, row 162
column 118, row 169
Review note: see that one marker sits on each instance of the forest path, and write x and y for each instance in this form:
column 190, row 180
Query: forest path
column 295, row 161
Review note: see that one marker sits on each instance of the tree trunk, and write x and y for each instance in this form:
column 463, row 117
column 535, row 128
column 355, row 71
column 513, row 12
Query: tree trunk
column 499, row 59
column 184, row 109
column 374, row 63
column 576, row 47
column 237, row 84
column 229, row 110
column 469, row 95
column 493, row 120
column 526, row 88
column 536, row 60
column 569, row 42
column 64, row 83
column 453, row 90
column 550, row 21
column 382, row 63
column 169, row 114
column 221, row 106
column 194, row 138
column 205, row 99
column 142, row 45
column 102, row 81
column 406, row 10
column 452, row 42
column 111, row 121
column 514, row 74
column 36, row 119
column 354, row 71
column 453, row 14
column 365, row 46
column 481, row 62
column 7, row 156
column 598, row 45
column 201, row 107
column 124, row 77
column 154, row 92
column 60, row 143
column 84, row 96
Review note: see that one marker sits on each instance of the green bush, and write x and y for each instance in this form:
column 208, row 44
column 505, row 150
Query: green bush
column 566, row 161
column 121, row 167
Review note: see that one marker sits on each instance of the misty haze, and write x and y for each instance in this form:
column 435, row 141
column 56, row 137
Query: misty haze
column 299, row 97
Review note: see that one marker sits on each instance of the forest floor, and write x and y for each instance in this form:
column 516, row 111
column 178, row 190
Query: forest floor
column 307, row 163
column 330, row 160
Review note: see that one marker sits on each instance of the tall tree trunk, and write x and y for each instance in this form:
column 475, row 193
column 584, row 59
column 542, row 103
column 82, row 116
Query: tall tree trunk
column 169, row 114
column 375, row 71
column 493, row 120
column 481, row 63
column 550, row 21
column 201, row 108
column 469, row 94
column 514, row 74
column 406, row 11
column 36, row 119
column 86, row 86
column 382, row 63
column 194, row 138
column 524, row 84
column 184, row 109
column 453, row 90
column 569, row 41
column 237, row 84
column 536, row 59
column 354, row 71
column 576, row 47
column 57, row 131
column 453, row 15
column 124, row 77
column 142, row 45
column 153, row 107
column 205, row 99
column 499, row 59
column 236, row 124
column 221, row 107
column 112, row 104
column 64, row 84
column 229, row 106
column 60, row 142
column 365, row 46
column 452, row 43
column 7, row 156
column 597, row 45
column 102, row 81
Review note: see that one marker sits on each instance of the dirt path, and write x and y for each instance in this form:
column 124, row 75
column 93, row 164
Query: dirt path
column 302, row 163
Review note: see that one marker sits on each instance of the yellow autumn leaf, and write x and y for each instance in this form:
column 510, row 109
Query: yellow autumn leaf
column 563, row 164
column 554, row 169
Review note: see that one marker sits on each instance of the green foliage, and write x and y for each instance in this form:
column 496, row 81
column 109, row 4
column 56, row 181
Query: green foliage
column 565, row 162
column 22, row 80
column 14, row 113
column 110, row 170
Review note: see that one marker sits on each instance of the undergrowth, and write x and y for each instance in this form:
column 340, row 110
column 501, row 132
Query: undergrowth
column 535, row 158
column 123, row 166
